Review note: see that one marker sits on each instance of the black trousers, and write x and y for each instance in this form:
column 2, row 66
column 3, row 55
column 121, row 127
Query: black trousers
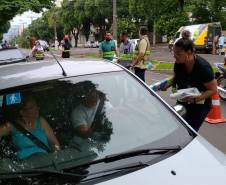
column 65, row 54
column 140, row 73
column 196, row 114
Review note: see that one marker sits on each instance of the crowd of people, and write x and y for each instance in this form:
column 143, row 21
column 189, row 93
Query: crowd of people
column 190, row 70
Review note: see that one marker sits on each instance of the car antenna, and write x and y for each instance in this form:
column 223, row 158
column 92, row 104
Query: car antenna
column 64, row 73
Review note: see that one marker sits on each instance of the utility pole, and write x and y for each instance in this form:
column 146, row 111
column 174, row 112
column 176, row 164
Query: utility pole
column 115, row 19
column 55, row 31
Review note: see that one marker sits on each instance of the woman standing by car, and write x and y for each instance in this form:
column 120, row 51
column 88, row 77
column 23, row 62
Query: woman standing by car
column 191, row 70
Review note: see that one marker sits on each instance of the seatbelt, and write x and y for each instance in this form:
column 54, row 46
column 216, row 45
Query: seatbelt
column 99, row 109
column 30, row 136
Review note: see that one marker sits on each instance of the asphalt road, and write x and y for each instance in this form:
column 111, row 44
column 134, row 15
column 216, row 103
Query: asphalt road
column 215, row 134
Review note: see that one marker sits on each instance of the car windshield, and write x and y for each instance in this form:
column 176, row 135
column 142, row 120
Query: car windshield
column 10, row 54
column 83, row 119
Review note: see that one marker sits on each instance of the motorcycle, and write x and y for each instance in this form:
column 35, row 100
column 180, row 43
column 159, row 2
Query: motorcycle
column 221, row 80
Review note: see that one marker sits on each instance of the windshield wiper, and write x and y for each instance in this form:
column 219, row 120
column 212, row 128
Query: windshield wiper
column 79, row 176
column 38, row 172
column 133, row 153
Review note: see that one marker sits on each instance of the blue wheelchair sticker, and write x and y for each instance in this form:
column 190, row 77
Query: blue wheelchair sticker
column 13, row 99
column 1, row 101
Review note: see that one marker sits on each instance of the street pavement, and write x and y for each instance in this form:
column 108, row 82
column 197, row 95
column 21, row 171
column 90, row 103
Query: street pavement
column 215, row 134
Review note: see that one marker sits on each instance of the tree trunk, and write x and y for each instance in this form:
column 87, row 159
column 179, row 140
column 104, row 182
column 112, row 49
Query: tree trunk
column 181, row 5
column 154, row 33
column 75, row 35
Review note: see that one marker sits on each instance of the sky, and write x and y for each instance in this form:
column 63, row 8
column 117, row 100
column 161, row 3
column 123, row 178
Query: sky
column 22, row 21
column 25, row 18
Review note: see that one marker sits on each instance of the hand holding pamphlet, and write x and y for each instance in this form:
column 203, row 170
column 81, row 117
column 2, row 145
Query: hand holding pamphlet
column 184, row 93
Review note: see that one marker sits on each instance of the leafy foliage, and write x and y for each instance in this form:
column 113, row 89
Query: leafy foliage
column 125, row 24
column 169, row 24
column 209, row 11
column 79, row 16
column 10, row 8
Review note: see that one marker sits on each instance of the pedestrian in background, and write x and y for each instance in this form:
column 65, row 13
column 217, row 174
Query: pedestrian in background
column 221, row 44
column 142, row 54
column 107, row 48
column 66, row 46
column 126, row 50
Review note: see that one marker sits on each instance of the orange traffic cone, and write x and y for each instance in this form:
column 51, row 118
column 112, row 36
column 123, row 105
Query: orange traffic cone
column 214, row 115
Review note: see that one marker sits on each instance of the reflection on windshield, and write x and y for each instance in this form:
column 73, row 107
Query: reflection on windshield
column 79, row 120
column 89, row 119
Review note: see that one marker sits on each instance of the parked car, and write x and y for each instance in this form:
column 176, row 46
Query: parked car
column 92, row 44
column 44, row 44
column 134, row 136
column 11, row 55
column 135, row 42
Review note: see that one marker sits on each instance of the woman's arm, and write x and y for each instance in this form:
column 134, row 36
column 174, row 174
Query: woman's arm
column 211, row 90
column 50, row 135
column 5, row 129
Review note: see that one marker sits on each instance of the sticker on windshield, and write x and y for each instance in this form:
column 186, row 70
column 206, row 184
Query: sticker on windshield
column 1, row 101
column 13, row 99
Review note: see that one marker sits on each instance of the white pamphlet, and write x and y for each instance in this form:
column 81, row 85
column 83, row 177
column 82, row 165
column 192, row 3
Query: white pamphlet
column 184, row 93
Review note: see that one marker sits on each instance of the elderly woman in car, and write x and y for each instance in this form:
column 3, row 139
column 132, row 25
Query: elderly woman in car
column 29, row 121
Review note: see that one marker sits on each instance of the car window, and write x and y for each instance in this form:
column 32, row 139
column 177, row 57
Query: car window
column 121, row 116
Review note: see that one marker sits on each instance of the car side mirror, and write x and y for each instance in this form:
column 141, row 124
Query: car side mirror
column 180, row 109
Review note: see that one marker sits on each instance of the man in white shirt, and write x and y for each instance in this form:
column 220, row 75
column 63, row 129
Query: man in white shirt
column 85, row 116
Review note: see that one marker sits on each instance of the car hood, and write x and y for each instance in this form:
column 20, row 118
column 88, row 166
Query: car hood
column 198, row 163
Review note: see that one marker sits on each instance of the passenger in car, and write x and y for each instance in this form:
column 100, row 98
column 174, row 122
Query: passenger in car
column 87, row 117
column 28, row 119
column 84, row 114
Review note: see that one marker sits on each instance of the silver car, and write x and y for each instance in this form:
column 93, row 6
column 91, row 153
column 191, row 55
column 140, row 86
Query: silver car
column 111, row 128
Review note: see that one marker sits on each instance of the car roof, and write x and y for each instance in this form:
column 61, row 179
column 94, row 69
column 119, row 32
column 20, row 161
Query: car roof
column 31, row 72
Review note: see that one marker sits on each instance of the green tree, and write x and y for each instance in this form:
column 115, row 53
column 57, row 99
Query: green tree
column 125, row 24
column 10, row 8
column 3, row 29
column 43, row 27
column 148, row 12
column 22, row 40
column 169, row 24
column 71, row 19
column 209, row 11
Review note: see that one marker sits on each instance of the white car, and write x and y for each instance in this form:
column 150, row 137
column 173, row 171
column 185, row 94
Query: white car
column 134, row 42
column 111, row 127
column 44, row 44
